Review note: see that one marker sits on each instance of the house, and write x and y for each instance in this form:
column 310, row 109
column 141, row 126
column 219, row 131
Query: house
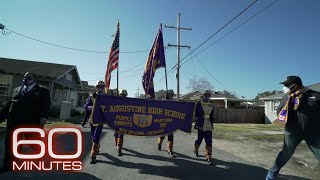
column 217, row 99
column 230, row 109
column 272, row 102
column 83, row 93
column 252, row 104
column 63, row 81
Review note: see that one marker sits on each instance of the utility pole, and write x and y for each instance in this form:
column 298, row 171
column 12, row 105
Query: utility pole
column 178, row 28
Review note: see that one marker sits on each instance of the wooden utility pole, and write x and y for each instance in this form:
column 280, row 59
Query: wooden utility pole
column 178, row 28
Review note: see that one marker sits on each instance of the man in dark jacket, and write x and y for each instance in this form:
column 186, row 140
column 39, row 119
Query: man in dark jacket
column 29, row 106
column 204, row 124
column 300, row 111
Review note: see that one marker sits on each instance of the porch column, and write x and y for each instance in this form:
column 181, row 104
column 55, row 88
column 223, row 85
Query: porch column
column 226, row 104
column 51, row 86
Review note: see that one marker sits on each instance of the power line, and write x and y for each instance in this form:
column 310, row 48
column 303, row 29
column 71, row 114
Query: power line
column 209, row 72
column 209, row 39
column 71, row 48
column 233, row 30
column 122, row 71
column 219, row 39
column 220, row 29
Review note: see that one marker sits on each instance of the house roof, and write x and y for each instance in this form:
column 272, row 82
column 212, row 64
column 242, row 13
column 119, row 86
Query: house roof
column 86, row 87
column 45, row 69
column 51, row 70
column 214, row 96
column 315, row 87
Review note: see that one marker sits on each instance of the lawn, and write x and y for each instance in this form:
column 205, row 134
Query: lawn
column 240, row 132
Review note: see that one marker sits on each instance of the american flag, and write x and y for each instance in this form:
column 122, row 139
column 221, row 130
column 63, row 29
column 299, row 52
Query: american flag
column 113, row 58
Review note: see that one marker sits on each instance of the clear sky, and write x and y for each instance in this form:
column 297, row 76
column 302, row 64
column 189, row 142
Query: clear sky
column 282, row 40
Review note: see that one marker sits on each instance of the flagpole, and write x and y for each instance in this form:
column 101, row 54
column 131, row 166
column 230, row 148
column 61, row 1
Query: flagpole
column 165, row 70
column 118, row 63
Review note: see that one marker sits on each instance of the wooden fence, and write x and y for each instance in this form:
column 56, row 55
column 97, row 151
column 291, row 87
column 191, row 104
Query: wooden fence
column 255, row 116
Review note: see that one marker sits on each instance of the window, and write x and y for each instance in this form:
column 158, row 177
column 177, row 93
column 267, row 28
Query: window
column 275, row 105
column 4, row 89
column 68, row 77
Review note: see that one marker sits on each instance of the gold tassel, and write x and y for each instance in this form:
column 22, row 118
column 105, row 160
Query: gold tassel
column 170, row 146
column 160, row 140
column 208, row 152
column 120, row 143
column 196, row 147
column 95, row 149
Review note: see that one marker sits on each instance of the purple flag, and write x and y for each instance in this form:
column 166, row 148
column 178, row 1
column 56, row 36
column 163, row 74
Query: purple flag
column 156, row 59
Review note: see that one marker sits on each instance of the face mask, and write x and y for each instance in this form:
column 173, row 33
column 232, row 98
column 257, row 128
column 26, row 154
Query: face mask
column 292, row 87
column 206, row 99
column 286, row 90
column 28, row 82
column 100, row 90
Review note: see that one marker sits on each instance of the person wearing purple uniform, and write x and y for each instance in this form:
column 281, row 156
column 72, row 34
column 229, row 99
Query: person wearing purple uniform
column 95, row 129
column 118, row 137
column 169, row 96
column 204, row 124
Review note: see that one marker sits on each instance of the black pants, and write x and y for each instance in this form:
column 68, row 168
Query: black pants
column 291, row 141
column 8, row 154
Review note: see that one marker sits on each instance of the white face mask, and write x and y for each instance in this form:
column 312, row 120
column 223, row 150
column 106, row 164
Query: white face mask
column 286, row 90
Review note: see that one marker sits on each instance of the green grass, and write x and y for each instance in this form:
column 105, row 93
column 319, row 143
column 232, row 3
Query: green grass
column 242, row 132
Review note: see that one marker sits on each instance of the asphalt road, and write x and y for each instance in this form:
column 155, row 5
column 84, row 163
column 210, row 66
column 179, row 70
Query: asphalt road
column 142, row 160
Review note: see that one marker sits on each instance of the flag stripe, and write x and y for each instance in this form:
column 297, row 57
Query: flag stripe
column 113, row 58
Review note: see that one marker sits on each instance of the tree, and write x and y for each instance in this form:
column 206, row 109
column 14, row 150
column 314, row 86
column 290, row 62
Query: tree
column 267, row 93
column 200, row 85
column 227, row 93
column 161, row 94
column 142, row 96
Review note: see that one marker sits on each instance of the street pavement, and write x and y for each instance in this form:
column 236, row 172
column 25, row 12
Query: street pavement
column 142, row 160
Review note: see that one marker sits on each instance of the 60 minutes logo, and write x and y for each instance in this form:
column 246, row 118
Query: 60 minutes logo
column 30, row 162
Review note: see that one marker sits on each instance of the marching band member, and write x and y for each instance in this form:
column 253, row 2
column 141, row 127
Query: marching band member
column 204, row 124
column 169, row 96
column 96, row 130
column 118, row 137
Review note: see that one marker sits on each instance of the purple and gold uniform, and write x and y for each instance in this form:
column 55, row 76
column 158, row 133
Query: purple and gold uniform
column 118, row 137
column 204, row 124
column 169, row 96
column 96, row 130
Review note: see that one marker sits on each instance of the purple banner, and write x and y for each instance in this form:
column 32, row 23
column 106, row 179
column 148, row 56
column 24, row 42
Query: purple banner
column 142, row 117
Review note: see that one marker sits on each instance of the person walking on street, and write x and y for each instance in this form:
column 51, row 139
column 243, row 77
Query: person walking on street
column 300, row 112
column 204, row 124
column 29, row 106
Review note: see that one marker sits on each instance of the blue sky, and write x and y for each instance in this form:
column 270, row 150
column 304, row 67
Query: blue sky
column 283, row 40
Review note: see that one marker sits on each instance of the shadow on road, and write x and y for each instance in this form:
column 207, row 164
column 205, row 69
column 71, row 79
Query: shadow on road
column 182, row 167
column 186, row 167
column 63, row 143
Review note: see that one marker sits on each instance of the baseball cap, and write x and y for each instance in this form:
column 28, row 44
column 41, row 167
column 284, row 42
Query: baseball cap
column 292, row 80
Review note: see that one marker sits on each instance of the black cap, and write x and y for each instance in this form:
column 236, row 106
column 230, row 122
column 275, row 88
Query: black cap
column 292, row 80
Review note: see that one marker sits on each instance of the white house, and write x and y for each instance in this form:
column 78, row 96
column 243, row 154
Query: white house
column 272, row 103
